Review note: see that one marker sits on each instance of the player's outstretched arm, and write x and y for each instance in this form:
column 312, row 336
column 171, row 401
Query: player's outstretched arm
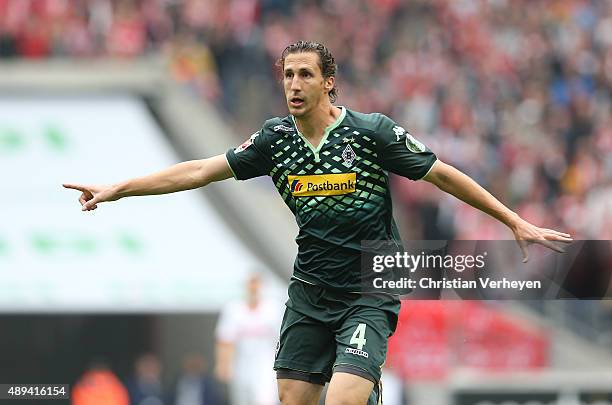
column 182, row 176
column 449, row 179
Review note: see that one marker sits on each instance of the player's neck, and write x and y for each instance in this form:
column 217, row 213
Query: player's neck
column 313, row 125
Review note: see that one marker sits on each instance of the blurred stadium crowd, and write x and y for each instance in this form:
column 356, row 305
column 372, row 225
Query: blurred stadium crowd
column 193, row 386
column 515, row 93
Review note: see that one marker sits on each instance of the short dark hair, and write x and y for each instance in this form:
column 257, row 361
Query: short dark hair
column 327, row 63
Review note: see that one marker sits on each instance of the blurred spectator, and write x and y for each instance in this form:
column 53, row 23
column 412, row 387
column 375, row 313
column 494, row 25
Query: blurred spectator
column 194, row 386
column 99, row 386
column 246, row 336
column 8, row 43
column 145, row 387
column 193, row 64
column 126, row 36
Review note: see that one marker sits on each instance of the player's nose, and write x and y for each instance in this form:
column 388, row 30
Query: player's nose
column 295, row 84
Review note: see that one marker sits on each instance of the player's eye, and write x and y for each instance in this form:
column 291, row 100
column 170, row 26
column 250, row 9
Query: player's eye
column 306, row 74
column 288, row 75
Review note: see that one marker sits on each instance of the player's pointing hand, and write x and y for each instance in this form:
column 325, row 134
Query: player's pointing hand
column 92, row 195
column 526, row 233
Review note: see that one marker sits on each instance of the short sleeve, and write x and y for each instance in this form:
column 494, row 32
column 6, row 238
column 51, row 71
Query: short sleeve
column 227, row 326
column 252, row 158
column 401, row 153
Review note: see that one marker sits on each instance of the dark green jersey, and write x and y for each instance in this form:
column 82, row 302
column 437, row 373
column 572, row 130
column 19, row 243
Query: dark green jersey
column 338, row 191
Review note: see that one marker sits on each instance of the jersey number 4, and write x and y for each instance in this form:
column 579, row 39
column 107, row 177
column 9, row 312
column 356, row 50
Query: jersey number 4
column 358, row 337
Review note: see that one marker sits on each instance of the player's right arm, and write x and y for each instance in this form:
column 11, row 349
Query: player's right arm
column 226, row 335
column 182, row 176
column 224, row 359
column 404, row 155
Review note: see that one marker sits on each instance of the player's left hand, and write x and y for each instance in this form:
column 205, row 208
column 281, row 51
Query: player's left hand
column 526, row 233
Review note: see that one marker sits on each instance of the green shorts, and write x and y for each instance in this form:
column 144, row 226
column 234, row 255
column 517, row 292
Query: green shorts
column 325, row 330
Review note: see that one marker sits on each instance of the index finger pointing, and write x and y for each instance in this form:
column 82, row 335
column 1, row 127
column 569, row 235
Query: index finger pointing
column 75, row 187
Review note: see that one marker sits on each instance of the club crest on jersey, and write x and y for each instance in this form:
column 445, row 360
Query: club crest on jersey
column 246, row 143
column 322, row 184
column 348, row 155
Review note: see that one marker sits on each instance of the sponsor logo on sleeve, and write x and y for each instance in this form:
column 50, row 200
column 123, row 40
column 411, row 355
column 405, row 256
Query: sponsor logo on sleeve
column 282, row 128
column 322, row 184
column 412, row 143
column 246, row 143
column 399, row 131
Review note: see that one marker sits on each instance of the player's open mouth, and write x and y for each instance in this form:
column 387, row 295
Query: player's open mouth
column 296, row 101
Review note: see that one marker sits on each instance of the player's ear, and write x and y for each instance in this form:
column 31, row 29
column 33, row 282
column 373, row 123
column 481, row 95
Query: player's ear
column 328, row 83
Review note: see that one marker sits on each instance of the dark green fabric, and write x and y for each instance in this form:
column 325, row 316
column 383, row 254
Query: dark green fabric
column 319, row 325
column 332, row 227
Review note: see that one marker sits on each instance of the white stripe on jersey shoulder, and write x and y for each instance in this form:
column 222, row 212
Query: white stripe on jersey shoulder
column 303, row 281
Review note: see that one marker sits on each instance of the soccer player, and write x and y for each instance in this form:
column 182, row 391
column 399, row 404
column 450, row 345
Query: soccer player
column 246, row 336
column 330, row 165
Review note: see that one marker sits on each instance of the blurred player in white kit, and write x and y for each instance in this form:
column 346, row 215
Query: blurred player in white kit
column 246, row 334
